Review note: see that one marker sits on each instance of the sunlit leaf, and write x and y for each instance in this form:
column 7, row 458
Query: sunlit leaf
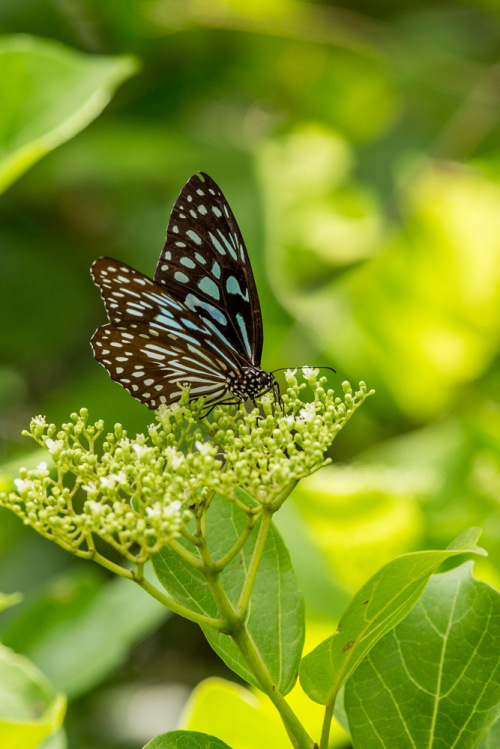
column 361, row 517
column 492, row 738
column 232, row 712
column 49, row 93
column 380, row 604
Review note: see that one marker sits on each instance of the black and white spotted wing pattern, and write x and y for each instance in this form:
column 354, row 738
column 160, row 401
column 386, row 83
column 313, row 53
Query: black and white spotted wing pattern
column 198, row 323
column 205, row 263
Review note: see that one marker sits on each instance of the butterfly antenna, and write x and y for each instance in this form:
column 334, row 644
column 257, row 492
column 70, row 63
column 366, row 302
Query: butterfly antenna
column 280, row 369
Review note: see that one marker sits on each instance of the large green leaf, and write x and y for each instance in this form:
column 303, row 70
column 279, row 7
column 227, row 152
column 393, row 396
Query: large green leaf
column 186, row 740
column 276, row 620
column 434, row 680
column 49, row 93
column 30, row 709
column 377, row 607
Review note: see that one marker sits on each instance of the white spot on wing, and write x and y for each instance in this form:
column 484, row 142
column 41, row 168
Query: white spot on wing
column 194, row 236
column 209, row 287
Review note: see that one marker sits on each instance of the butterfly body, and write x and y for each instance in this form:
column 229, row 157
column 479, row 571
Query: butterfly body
column 250, row 384
column 198, row 323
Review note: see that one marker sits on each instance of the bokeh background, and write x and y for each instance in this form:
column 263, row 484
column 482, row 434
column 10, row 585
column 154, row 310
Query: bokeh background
column 359, row 147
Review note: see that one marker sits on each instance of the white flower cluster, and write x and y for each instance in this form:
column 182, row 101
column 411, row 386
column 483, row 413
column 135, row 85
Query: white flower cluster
column 139, row 494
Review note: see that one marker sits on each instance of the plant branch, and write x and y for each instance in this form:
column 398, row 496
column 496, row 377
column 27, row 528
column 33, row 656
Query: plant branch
column 246, row 592
column 238, row 631
column 296, row 731
column 177, row 608
column 191, row 537
column 185, row 554
column 107, row 563
column 282, row 496
column 327, row 721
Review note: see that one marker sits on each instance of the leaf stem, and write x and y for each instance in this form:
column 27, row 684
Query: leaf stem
column 212, row 576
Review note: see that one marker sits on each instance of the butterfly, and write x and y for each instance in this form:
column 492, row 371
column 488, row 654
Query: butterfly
column 198, row 323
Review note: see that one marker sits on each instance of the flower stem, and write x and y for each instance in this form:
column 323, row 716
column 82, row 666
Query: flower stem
column 224, row 561
column 185, row 554
column 284, row 495
column 246, row 592
column 107, row 563
column 177, row 608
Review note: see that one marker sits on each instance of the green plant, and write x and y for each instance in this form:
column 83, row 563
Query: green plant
column 197, row 498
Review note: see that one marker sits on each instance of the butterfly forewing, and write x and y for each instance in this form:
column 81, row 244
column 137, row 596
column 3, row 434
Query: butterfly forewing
column 154, row 344
column 204, row 263
column 198, row 323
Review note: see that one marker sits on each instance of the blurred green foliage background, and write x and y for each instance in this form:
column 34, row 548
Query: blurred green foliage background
column 358, row 145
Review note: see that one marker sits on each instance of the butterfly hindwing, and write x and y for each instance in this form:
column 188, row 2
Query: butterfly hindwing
column 204, row 263
column 153, row 372
column 154, row 343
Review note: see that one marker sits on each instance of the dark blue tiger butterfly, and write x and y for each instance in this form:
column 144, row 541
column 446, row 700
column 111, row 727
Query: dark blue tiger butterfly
column 198, row 323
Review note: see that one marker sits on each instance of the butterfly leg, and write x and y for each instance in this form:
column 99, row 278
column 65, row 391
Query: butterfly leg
column 278, row 400
column 220, row 403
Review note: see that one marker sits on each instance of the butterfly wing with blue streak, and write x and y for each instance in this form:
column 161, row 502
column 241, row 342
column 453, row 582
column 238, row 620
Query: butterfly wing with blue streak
column 205, row 264
column 154, row 343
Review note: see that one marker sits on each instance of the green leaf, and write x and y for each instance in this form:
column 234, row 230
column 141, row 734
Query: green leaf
column 49, row 93
column 276, row 621
column 492, row 738
column 9, row 600
column 30, row 709
column 186, row 740
column 377, row 607
column 448, row 697
column 66, row 630
column 240, row 717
